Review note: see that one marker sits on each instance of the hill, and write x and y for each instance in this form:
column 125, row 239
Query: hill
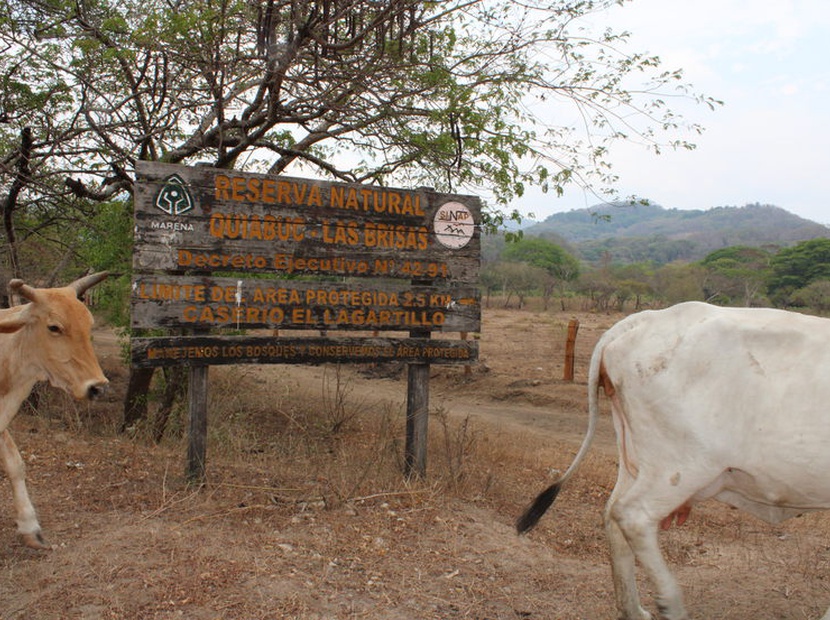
column 639, row 233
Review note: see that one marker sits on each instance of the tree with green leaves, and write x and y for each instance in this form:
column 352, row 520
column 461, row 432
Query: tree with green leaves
column 513, row 278
column 542, row 253
column 816, row 295
column 389, row 92
column 632, row 281
column 597, row 288
column 395, row 92
column 796, row 267
column 557, row 264
column 736, row 275
column 678, row 282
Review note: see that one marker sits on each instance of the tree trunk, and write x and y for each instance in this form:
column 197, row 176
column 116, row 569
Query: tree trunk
column 175, row 388
column 21, row 179
column 135, row 402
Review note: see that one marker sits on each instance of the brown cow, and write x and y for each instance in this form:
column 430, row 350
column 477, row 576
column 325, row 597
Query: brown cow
column 48, row 339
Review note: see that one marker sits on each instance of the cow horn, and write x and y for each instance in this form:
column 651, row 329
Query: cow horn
column 21, row 288
column 82, row 284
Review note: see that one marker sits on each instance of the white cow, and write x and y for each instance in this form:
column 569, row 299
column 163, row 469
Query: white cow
column 47, row 339
column 707, row 402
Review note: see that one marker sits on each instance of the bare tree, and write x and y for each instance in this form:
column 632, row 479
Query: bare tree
column 358, row 90
column 370, row 91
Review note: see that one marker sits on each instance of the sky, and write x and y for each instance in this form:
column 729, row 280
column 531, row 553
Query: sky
column 769, row 62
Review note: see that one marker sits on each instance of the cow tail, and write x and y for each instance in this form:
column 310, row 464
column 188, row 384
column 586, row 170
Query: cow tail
column 530, row 517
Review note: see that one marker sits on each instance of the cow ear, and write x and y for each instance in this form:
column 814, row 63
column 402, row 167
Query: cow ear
column 82, row 284
column 11, row 324
column 15, row 321
column 24, row 290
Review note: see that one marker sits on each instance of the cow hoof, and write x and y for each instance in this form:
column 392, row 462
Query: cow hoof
column 34, row 540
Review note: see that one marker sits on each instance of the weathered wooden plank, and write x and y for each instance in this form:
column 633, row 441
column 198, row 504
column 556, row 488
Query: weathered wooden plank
column 163, row 301
column 255, row 258
column 206, row 220
column 215, row 189
column 217, row 350
column 211, row 190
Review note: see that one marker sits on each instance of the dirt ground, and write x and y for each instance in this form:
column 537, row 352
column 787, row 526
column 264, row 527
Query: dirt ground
column 296, row 522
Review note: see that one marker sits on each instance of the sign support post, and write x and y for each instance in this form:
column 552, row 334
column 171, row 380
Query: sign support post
column 197, row 426
column 417, row 415
column 417, row 421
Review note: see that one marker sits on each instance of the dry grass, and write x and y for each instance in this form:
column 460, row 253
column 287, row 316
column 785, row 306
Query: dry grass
column 306, row 514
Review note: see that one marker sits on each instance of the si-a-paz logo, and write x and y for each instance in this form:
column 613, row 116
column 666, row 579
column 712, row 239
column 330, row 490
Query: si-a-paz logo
column 174, row 198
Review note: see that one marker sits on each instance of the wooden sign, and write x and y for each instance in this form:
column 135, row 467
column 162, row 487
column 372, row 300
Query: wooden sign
column 202, row 220
column 219, row 250
column 213, row 351
column 237, row 303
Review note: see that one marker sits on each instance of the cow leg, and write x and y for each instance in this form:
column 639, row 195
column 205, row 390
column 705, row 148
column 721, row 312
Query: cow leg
column 27, row 523
column 633, row 519
column 623, row 570
column 623, row 566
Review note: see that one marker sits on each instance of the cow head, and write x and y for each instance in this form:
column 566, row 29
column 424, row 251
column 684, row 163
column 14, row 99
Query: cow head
column 55, row 335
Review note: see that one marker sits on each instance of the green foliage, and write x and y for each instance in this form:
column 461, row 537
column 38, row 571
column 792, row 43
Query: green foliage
column 107, row 244
column 108, row 239
column 544, row 254
column 657, row 249
column 736, row 257
column 633, row 282
column 736, row 275
column 513, row 278
column 598, row 287
column 399, row 93
column 797, row 267
column 599, row 221
column 677, row 282
column 815, row 295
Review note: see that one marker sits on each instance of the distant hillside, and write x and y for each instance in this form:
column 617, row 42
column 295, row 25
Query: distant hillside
column 639, row 233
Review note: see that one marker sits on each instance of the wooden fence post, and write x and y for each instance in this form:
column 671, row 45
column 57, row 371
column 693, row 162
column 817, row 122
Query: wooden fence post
column 570, row 350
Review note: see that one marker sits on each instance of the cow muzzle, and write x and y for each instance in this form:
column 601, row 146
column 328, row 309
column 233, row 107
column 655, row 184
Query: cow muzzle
column 94, row 390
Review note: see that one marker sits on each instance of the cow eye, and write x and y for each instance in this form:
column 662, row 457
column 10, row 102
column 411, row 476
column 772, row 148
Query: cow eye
column 55, row 329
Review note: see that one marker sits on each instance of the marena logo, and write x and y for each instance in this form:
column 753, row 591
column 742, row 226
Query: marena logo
column 174, row 198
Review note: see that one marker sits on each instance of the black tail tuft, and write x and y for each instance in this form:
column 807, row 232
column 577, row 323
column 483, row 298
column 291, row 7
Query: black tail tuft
column 539, row 507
